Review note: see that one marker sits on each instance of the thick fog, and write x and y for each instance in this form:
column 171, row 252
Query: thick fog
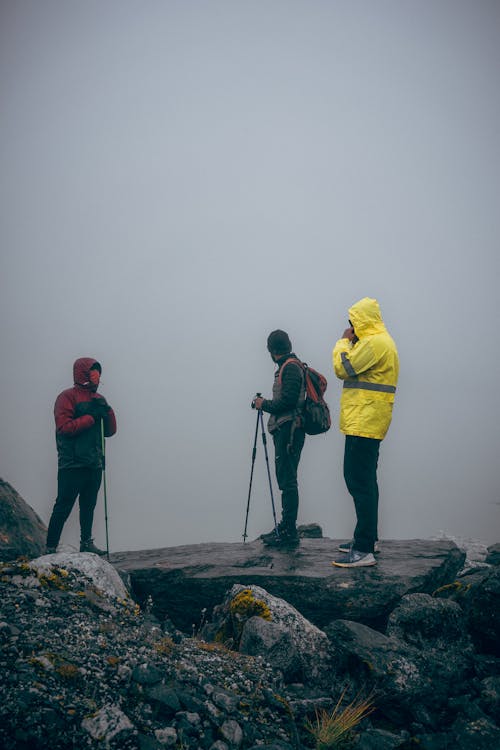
column 180, row 178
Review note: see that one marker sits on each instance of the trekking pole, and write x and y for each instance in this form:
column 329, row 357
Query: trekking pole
column 264, row 440
column 254, row 451
column 103, row 445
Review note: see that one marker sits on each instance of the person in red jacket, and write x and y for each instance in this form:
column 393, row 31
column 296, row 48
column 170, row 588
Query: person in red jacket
column 78, row 414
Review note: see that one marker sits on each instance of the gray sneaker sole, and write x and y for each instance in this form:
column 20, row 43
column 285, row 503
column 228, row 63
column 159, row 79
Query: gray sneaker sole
column 365, row 562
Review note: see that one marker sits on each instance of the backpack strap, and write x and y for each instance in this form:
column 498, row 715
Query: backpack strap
column 302, row 365
column 299, row 419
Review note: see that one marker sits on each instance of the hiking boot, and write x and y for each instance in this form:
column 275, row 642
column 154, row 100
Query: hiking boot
column 272, row 535
column 287, row 538
column 355, row 559
column 88, row 545
column 50, row 550
column 346, row 547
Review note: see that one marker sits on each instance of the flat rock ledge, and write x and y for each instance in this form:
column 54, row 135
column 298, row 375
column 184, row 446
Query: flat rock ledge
column 187, row 582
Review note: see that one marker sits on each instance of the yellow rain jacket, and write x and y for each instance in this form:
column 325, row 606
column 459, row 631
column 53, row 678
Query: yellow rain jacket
column 369, row 369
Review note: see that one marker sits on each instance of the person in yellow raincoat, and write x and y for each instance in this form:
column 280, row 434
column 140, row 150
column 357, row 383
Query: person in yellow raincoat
column 366, row 359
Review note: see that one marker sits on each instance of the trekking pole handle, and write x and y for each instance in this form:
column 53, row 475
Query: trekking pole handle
column 257, row 395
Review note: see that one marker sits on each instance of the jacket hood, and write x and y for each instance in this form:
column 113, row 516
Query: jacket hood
column 366, row 317
column 81, row 370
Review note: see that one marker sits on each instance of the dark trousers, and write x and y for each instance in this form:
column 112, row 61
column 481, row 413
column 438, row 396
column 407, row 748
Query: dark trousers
column 71, row 483
column 360, row 474
column 288, row 446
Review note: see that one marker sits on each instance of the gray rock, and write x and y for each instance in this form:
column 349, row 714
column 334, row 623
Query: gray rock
column 22, row 532
column 232, row 733
column 493, row 557
column 167, row 736
column 437, row 629
column 274, row 643
column 282, row 636
column 146, row 674
column 225, row 700
column 423, row 621
column 310, row 531
column 163, row 699
column 393, row 669
column 475, row 735
column 107, row 724
column 480, row 602
column 378, row 739
column 186, row 580
column 102, row 575
column 490, row 697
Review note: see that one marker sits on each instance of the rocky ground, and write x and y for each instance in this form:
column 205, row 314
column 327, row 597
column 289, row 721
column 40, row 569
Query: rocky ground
column 82, row 669
column 88, row 659
column 82, row 665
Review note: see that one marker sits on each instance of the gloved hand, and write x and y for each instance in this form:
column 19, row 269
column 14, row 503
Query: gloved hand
column 99, row 408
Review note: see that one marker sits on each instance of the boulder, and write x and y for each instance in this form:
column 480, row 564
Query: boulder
column 186, row 581
column 100, row 573
column 478, row 595
column 493, row 556
column 22, row 532
column 413, row 673
column 434, row 626
column 259, row 624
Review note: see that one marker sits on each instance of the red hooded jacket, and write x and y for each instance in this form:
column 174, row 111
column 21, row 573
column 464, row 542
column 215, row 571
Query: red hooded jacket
column 78, row 434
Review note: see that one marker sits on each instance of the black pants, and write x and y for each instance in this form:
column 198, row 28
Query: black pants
column 287, row 449
column 360, row 474
column 72, row 483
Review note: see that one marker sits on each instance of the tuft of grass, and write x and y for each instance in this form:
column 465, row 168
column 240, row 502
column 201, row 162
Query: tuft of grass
column 332, row 730
column 68, row 671
column 164, row 646
column 213, row 647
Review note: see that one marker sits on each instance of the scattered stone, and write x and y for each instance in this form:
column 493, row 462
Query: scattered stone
column 108, row 723
column 232, row 733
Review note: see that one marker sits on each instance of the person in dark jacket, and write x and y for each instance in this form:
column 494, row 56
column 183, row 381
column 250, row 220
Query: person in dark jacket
column 78, row 413
column 286, row 426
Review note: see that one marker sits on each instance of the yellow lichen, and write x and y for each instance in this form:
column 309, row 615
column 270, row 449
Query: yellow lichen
column 245, row 605
column 451, row 588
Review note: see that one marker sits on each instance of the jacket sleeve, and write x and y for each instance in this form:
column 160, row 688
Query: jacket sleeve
column 291, row 383
column 351, row 360
column 64, row 414
column 110, row 423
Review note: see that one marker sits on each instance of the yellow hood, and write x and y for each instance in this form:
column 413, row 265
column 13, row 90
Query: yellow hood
column 366, row 317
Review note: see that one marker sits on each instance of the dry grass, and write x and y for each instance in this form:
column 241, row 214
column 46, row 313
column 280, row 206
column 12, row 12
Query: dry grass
column 333, row 729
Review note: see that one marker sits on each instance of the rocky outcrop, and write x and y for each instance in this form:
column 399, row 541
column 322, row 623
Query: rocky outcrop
column 80, row 667
column 184, row 581
column 22, row 533
column 92, row 657
column 259, row 624
column 479, row 595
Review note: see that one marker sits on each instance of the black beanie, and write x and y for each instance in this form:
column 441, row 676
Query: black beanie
column 279, row 343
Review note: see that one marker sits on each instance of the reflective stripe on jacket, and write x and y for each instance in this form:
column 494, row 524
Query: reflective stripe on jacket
column 369, row 369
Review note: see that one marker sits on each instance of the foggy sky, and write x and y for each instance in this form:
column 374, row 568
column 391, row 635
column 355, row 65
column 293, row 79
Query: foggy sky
column 180, row 178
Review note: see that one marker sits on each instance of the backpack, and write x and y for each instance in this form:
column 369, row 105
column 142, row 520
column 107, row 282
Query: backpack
column 316, row 413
